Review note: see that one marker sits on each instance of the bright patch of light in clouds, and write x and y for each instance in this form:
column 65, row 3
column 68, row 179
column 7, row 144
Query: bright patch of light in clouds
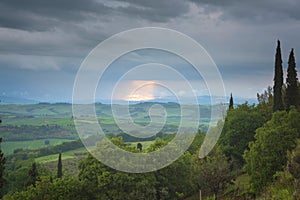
column 141, row 91
column 147, row 90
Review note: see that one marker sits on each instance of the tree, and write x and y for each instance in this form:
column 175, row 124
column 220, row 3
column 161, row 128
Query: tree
column 33, row 174
column 266, row 97
column 63, row 188
column 2, row 163
column 293, row 167
column 238, row 131
column 47, row 142
column 59, row 167
column 139, row 146
column 102, row 182
column 231, row 102
column 212, row 174
column 278, row 80
column 292, row 90
column 169, row 185
column 268, row 153
column 196, row 144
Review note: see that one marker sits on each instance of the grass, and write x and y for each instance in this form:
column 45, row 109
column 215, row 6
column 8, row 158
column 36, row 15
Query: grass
column 65, row 155
column 70, row 161
column 145, row 144
column 9, row 147
column 72, row 154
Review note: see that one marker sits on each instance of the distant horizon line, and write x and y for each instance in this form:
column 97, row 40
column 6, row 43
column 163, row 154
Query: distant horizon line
column 206, row 100
column 238, row 101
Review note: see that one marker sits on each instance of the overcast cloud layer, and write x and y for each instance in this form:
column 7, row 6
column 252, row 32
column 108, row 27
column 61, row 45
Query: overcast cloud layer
column 44, row 42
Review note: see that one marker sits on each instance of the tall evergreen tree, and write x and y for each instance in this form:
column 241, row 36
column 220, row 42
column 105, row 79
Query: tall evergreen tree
column 292, row 90
column 33, row 174
column 278, row 80
column 59, row 167
column 231, row 102
column 2, row 163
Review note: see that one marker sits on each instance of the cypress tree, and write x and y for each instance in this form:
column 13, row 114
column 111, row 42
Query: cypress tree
column 231, row 102
column 33, row 173
column 59, row 167
column 2, row 163
column 292, row 90
column 278, row 80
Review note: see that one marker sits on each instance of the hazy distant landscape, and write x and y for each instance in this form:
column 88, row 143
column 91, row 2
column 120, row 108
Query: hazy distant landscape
column 27, row 126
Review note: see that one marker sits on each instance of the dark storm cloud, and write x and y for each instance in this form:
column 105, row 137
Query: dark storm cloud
column 73, row 27
column 263, row 11
column 156, row 10
column 44, row 15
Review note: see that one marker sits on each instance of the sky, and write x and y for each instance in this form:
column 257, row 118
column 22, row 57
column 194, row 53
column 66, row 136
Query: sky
column 43, row 43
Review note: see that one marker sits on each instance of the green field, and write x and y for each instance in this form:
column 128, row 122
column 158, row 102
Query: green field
column 9, row 147
column 74, row 153
column 65, row 155
column 61, row 114
column 145, row 144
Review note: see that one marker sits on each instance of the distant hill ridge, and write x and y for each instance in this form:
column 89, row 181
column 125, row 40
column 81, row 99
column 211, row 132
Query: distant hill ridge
column 202, row 100
column 16, row 100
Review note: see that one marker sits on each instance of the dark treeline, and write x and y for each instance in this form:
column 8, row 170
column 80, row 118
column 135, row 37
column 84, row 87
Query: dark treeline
column 30, row 132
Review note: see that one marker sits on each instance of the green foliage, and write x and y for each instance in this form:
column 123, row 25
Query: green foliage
column 128, row 138
column 59, row 189
column 292, row 90
column 278, row 80
column 101, row 182
column 89, row 170
column 176, row 178
column 139, row 146
column 212, row 174
column 158, row 144
column 24, row 132
column 268, row 153
column 2, row 168
column 10, row 147
column 293, row 167
column 281, row 188
column 65, row 146
column 239, row 129
column 196, row 144
column 16, row 175
column 286, row 184
column 210, row 198
column 265, row 97
column 33, row 175
column 2, row 163
column 120, row 185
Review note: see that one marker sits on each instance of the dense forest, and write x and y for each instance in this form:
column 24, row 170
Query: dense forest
column 256, row 157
